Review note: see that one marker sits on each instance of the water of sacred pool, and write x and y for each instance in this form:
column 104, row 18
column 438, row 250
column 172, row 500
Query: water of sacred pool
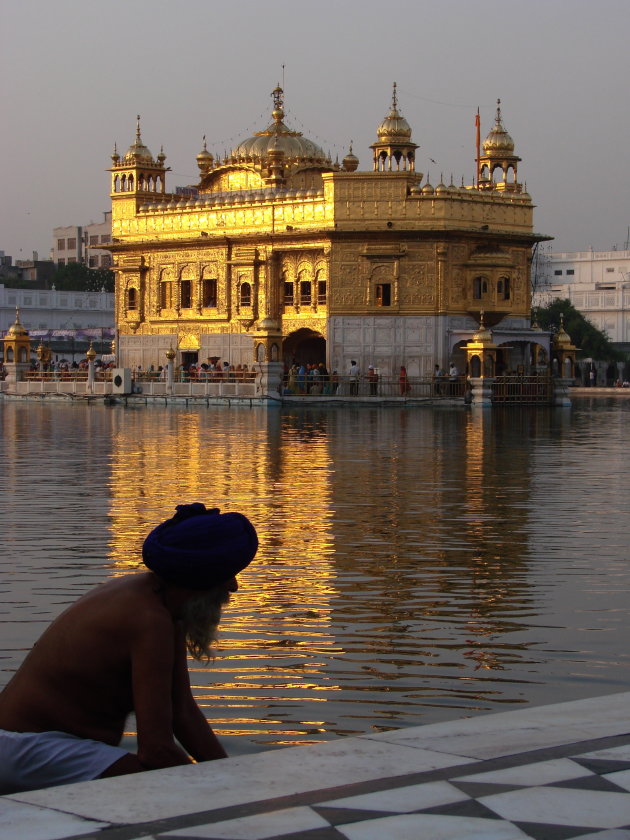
column 415, row 565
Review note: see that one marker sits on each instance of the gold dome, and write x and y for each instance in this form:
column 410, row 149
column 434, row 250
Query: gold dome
column 16, row 329
column 277, row 136
column 483, row 335
column 204, row 158
column 138, row 152
column 562, row 338
column 350, row 162
column 394, row 127
column 498, row 141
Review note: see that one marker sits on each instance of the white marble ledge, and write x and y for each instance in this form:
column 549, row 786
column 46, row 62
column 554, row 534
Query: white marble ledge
column 286, row 821
column 177, row 791
column 31, row 823
column 414, row 826
column 532, row 728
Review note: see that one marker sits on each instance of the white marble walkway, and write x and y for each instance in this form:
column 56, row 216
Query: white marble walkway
column 549, row 773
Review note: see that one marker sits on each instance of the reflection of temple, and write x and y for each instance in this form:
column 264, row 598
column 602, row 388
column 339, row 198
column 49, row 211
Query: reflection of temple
column 392, row 552
column 281, row 253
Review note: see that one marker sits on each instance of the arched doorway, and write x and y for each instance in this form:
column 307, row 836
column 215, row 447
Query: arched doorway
column 304, row 346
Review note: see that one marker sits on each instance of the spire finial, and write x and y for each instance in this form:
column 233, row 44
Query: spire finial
column 138, row 140
column 205, row 148
column 278, row 103
column 394, row 98
column 498, row 110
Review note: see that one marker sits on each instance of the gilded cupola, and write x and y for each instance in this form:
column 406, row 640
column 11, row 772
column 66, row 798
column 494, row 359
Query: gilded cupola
column 136, row 171
column 498, row 165
column 350, row 163
column 17, row 329
column 498, row 140
column 205, row 160
column 394, row 149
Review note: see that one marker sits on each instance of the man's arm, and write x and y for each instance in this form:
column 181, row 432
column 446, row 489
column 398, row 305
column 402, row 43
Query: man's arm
column 152, row 661
column 190, row 726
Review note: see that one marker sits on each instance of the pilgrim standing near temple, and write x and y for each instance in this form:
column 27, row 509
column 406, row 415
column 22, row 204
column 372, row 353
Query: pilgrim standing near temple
column 403, row 382
column 354, row 378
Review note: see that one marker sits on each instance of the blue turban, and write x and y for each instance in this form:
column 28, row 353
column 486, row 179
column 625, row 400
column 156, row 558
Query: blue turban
column 200, row 548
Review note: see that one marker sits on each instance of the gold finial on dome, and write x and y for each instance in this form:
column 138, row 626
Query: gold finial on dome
column 278, row 103
column 90, row 353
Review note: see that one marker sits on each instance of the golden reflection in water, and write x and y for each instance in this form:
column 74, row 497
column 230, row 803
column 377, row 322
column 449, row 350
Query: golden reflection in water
column 285, row 593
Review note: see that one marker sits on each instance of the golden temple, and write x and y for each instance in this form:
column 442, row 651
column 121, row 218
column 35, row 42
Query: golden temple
column 280, row 254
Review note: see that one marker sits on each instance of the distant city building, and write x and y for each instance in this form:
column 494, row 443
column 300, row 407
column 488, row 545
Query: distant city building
column 66, row 321
column 80, row 244
column 596, row 282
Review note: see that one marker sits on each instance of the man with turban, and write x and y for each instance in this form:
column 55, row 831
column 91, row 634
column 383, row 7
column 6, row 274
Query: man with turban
column 122, row 648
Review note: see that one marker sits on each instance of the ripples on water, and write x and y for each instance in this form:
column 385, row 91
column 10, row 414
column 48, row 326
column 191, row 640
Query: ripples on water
column 415, row 564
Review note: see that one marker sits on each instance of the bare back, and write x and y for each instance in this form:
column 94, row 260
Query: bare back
column 78, row 678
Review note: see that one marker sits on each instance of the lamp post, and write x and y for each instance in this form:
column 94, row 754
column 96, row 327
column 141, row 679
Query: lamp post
column 91, row 355
column 170, row 355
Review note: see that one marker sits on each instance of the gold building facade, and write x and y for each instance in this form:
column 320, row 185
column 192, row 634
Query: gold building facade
column 279, row 253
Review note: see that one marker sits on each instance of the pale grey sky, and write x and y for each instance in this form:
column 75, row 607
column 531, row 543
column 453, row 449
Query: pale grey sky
column 74, row 74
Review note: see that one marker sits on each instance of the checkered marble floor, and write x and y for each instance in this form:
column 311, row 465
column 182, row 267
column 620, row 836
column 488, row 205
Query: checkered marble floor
column 549, row 773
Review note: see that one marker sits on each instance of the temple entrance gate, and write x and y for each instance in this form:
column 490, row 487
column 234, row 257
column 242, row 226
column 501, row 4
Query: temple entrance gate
column 304, row 346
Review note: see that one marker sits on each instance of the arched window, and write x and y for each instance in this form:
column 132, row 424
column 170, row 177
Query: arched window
column 132, row 298
column 209, row 292
column 289, row 291
column 23, row 354
column 321, row 288
column 503, row 288
column 246, row 294
column 9, row 354
column 306, row 292
column 383, row 294
column 185, row 296
column 480, row 288
column 166, row 294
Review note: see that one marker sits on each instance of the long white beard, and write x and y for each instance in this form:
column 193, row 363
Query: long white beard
column 201, row 616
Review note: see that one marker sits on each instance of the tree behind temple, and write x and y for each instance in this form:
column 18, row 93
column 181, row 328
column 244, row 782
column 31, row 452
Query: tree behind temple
column 591, row 342
column 77, row 277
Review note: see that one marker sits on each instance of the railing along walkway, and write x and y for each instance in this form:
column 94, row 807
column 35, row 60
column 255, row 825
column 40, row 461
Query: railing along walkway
column 522, row 389
column 383, row 386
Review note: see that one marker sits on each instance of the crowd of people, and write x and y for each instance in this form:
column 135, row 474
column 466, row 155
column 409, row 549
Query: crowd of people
column 310, row 379
column 314, row 378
